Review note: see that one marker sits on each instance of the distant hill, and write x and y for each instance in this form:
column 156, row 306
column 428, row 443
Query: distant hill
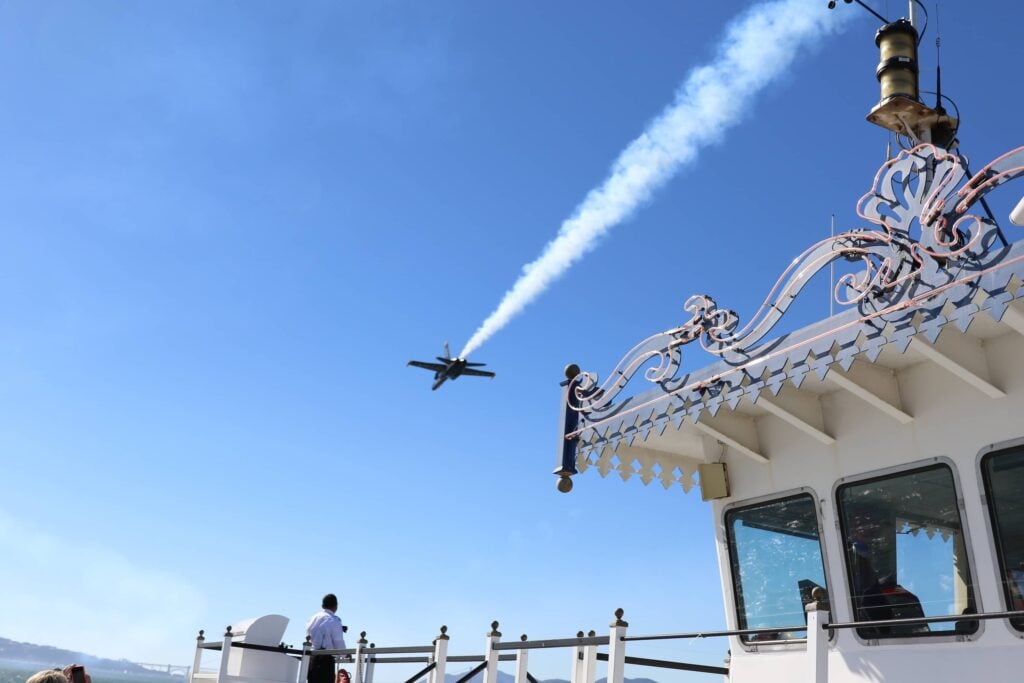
column 46, row 656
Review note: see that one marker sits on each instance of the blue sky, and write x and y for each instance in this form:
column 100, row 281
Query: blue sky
column 226, row 227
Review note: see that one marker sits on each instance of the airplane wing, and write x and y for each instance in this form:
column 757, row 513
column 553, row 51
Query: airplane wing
column 436, row 367
column 477, row 373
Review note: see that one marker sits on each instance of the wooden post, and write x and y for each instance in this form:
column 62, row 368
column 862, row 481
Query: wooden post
column 198, row 658
column 225, row 653
column 617, row 649
column 304, row 662
column 440, row 656
column 577, row 671
column 817, row 637
column 370, row 660
column 522, row 662
column 491, row 655
column 360, row 646
column 590, row 661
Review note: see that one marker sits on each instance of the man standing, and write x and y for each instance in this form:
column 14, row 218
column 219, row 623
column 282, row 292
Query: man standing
column 327, row 633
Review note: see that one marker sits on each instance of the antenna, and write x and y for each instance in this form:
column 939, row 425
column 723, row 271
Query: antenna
column 832, row 5
column 938, row 63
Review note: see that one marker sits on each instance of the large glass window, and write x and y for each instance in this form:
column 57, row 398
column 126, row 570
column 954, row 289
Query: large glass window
column 1003, row 473
column 905, row 552
column 775, row 552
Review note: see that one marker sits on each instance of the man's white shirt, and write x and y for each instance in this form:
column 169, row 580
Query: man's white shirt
column 325, row 631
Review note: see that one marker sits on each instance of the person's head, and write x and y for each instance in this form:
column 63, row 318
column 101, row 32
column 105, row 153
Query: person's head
column 48, row 676
column 330, row 602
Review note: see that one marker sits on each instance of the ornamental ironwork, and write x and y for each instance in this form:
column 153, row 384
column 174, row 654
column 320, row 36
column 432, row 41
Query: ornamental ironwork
column 923, row 240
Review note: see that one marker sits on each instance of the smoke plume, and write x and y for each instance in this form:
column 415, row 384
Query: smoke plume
column 758, row 46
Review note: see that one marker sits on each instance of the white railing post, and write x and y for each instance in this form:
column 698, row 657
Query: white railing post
column 590, row 661
column 440, row 656
column 491, row 655
column 817, row 638
column 577, row 671
column 304, row 662
column 522, row 662
column 225, row 653
column 360, row 646
column 617, row 649
column 370, row 660
column 198, row 658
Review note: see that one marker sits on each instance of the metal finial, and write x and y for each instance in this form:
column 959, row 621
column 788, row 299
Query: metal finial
column 592, row 633
column 571, row 371
column 308, row 642
column 362, row 637
column 494, row 629
column 444, row 629
column 373, row 645
column 579, row 634
column 523, row 637
column 227, row 631
column 200, row 636
column 618, row 618
column 281, row 645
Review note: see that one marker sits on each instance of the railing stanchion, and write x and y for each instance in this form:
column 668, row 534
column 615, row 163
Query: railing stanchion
column 522, row 663
column 590, row 661
column 491, row 655
column 577, row 672
column 370, row 659
column 440, row 656
column 225, row 654
column 304, row 662
column 817, row 638
column 360, row 646
column 198, row 658
column 617, row 649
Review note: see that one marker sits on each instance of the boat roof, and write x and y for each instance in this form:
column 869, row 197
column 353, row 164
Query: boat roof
column 932, row 262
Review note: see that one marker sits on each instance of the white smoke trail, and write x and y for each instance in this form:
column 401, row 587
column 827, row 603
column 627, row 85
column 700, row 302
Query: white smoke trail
column 759, row 46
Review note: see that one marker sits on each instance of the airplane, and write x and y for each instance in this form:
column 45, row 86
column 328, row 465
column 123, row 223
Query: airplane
column 450, row 368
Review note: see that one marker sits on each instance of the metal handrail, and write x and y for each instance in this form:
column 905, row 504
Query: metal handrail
column 421, row 673
column 267, row 648
column 408, row 649
column 472, row 672
column 718, row 634
column 665, row 664
column 551, row 642
column 913, row 621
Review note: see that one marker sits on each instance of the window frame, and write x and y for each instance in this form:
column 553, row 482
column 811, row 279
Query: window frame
column 884, row 473
column 992, row 543
column 771, row 645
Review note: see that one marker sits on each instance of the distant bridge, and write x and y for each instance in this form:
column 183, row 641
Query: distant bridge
column 171, row 669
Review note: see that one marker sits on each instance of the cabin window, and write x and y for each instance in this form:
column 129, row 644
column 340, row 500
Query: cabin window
column 905, row 552
column 775, row 552
column 1003, row 474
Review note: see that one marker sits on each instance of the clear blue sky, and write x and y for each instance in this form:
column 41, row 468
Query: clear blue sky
column 227, row 226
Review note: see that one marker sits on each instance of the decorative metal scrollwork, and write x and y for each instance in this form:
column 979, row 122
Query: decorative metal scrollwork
column 922, row 235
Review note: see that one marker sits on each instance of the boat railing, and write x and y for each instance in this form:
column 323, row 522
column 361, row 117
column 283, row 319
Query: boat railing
column 366, row 656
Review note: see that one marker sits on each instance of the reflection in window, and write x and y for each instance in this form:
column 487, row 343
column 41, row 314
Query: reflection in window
column 775, row 554
column 1003, row 473
column 905, row 552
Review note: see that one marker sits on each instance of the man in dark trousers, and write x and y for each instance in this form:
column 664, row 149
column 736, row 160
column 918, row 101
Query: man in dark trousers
column 327, row 633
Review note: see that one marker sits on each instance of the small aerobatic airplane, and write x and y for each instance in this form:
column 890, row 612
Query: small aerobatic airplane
column 450, row 368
